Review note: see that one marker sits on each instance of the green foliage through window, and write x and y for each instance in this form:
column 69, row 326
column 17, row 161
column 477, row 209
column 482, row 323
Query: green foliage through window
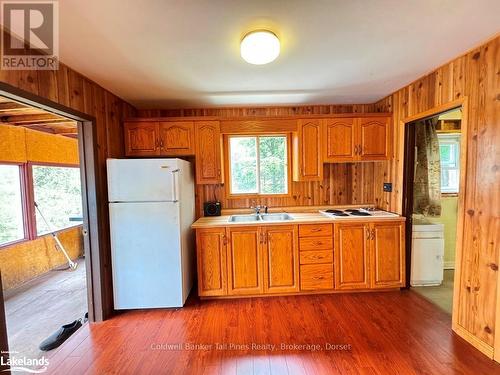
column 258, row 164
column 11, row 205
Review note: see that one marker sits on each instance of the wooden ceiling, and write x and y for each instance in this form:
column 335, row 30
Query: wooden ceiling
column 18, row 114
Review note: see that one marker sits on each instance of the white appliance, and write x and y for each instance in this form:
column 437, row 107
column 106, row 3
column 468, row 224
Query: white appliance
column 427, row 255
column 151, row 209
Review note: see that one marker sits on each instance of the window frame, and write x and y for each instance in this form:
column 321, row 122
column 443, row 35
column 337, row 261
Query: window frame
column 227, row 166
column 28, row 200
column 31, row 187
column 454, row 138
column 24, row 204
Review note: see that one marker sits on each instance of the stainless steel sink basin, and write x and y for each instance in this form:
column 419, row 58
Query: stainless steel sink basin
column 276, row 217
column 243, row 218
column 260, row 217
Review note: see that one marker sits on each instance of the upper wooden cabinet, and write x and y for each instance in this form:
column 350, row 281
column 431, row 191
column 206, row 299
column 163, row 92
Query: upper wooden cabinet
column 141, row 139
column 374, row 138
column 152, row 138
column 177, row 138
column 387, row 254
column 356, row 139
column 211, row 255
column 208, row 153
column 307, row 155
column 281, row 268
column 339, row 139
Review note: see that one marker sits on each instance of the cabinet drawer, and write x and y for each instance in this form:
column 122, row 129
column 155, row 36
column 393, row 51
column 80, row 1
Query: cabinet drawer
column 313, row 230
column 316, row 243
column 321, row 256
column 316, row 276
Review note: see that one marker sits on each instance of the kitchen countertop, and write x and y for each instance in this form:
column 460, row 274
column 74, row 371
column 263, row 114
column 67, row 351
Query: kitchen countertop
column 298, row 218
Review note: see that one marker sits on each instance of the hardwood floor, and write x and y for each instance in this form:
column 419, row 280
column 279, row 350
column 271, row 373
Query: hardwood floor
column 377, row 333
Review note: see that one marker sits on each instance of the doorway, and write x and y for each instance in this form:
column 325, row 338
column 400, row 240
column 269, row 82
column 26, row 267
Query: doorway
column 433, row 191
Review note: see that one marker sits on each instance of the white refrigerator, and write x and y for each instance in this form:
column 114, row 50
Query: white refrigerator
column 151, row 209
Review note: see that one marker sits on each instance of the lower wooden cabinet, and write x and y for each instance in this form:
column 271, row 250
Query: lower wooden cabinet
column 278, row 259
column 369, row 256
column 244, row 261
column 281, row 263
column 211, row 261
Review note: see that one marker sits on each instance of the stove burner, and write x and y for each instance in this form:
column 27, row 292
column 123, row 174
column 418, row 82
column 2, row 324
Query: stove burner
column 334, row 211
column 360, row 213
column 351, row 210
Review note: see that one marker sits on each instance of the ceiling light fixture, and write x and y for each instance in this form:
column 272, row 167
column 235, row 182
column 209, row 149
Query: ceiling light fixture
column 260, row 47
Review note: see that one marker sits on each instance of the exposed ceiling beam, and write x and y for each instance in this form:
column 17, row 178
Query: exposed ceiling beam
column 66, row 131
column 32, row 119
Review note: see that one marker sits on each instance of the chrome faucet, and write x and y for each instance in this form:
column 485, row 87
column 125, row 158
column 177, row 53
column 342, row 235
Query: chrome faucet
column 259, row 208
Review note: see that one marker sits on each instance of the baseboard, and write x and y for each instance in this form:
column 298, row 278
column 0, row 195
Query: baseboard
column 449, row 265
column 473, row 340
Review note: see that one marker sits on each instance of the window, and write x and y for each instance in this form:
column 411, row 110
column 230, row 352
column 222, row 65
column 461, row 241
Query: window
column 449, row 152
column 57, row 192
column 258, row 164
column 11, row 204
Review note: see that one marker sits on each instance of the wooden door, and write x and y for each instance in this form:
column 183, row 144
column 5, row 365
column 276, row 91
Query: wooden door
column 141, row 139
column 244, row 260
column 281, row 265
column 374, row 137
column 339, row 143
column 351, row 256
column 177, row 138
column 208, row 153
column 211, row 261
column 387, row 254
column 308, row 163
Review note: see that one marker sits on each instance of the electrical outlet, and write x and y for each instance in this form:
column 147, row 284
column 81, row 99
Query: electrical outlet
column 388, row 187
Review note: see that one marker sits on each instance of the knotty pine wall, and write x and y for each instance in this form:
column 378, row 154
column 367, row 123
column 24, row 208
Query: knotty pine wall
column 476, row 76
column 343, row 184
column 69, row 88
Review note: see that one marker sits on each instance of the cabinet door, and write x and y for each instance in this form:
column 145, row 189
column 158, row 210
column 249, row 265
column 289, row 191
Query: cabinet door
column 387, row 255
column 308, row 163
column 281, row 267
column 351, row 256
column 208, row 153
column 244, row 261
column 141, row 139
column 211, row 260
column 339, row 140
column 374, row 136
column 177, row 138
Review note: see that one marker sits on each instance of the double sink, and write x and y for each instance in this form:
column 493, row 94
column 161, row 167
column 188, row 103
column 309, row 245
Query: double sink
column 259, row 217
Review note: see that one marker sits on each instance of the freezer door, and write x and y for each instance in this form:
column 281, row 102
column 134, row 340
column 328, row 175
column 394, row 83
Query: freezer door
column 146, row 257
column 142, row 180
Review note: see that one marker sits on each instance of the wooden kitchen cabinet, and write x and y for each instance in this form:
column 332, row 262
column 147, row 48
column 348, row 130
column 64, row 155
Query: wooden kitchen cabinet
column 387, row 254
column 281, row 263
column 244, row 261
column 141, row 138
column 351, row 256
column 369, row 256
column 176, row 138
column 374, row 138
column 356, row 139
column 208, row 153
column 339, row 137
column 211, row 261
column 307, row 155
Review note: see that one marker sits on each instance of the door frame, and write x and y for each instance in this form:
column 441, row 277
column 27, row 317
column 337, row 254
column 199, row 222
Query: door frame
column 407, row 206
column 93, row 227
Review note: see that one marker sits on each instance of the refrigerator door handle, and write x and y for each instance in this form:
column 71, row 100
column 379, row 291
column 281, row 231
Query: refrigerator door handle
column 174, row 185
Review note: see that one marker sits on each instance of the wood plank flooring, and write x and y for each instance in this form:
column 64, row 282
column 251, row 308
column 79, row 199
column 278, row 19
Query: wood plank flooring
column 375, row 333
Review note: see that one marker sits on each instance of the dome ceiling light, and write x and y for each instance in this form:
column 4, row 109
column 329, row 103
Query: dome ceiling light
column 260, row 47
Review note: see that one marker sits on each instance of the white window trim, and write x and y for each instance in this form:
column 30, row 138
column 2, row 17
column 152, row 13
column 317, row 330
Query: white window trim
column 453, row 139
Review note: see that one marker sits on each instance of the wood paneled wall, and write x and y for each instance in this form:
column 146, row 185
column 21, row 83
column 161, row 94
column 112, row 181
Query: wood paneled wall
column 343, row 184
column 474, row 76
column 68, row 88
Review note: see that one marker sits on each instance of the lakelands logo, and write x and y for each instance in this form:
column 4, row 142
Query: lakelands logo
column 24, row 364
column 30, row 35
